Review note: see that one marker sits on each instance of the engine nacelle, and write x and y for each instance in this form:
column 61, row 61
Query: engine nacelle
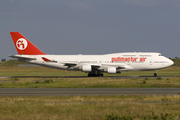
column 112, row 70
column 86, row 68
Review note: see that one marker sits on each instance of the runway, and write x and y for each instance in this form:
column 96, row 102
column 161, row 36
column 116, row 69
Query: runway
column 87, row 91
column 112, row 77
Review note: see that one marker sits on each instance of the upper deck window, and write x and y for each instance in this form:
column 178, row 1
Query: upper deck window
column 160, row 54
column 145, row 55
column 128, row 55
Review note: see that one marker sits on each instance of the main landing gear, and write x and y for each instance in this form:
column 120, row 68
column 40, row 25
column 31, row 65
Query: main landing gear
column 95, row 74
column 155, row 74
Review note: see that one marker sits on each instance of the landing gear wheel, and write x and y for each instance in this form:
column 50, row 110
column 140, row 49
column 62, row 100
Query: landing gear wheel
column 98, row 75
column 90, row 74
column 155, row 74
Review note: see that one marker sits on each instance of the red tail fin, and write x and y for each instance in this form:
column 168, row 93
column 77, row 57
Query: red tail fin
column 24, row 46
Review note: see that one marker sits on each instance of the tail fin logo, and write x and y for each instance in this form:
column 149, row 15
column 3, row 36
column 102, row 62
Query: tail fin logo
column 21, row 44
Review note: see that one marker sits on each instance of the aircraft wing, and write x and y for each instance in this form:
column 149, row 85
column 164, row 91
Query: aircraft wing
column 21, row 58
column 97, row 66
column 70, row 64
column 118, row 66
column 125, row 67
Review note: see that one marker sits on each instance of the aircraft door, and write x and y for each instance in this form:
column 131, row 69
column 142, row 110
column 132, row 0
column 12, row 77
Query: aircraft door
column 100, row 61
column 151, row 62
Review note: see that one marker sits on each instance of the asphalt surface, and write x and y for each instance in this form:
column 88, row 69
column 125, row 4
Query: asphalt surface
column 87, row 91
column 113, row 77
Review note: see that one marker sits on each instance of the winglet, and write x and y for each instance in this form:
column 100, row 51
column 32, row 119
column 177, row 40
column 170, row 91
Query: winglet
column 24, row 46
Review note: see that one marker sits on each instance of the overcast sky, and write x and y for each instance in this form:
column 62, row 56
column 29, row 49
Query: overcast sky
column 92, row 26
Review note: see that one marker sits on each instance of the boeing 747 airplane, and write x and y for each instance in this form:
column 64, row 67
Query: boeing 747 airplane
column 94, row 65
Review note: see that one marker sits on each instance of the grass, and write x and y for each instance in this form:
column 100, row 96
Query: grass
column 103, row 82
column 44, row 71
column 87, row 107
column 37, row 71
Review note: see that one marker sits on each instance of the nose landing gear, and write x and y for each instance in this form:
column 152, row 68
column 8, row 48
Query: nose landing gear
column 155, row 74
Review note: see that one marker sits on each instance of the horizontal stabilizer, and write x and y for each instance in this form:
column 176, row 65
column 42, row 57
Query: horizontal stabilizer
column 21, row 58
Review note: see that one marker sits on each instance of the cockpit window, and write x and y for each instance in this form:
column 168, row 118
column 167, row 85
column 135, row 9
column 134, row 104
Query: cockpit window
column 160, row 54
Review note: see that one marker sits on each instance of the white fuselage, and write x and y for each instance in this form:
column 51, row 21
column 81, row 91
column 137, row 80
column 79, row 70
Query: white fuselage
column 94, row 65
column 132, row 61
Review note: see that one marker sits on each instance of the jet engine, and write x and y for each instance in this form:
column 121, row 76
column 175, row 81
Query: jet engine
column 86, row 68
column 112, row 70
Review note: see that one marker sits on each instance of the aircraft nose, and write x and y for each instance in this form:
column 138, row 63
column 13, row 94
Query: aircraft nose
column 170, row 62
